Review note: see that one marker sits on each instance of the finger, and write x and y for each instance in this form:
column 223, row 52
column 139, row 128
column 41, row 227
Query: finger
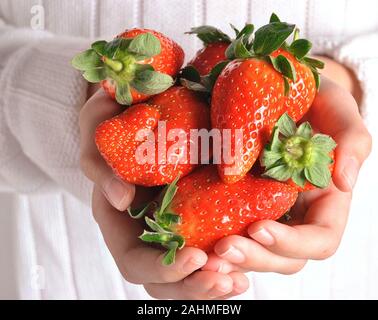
column 354, row 147
column 217, row 264
column 98, row 109
column 200, row 285
column 249, row 255
column 317, row 238
column 339, row 117
column 137, row 262
column 240, row 284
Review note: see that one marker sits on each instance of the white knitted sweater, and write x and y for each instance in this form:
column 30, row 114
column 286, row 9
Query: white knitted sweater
column 49, row 245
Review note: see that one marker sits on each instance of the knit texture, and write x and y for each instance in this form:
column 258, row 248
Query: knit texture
column 50, row 247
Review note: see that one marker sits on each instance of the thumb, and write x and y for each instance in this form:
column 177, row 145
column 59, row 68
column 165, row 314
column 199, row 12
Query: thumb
column 120, row 194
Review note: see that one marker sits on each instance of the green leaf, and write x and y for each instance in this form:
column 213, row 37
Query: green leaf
column 175, row 238
column 286, row 87
column 87, row 60
column 117, row 48
column 286, row 125
column 123, row 94
column 145, row 44
column 271, row 36
column 322, row 158
column 209, row 34
column 155, row 237
column 274, row 18
column 323, row 142
column 139, row 212
column 300, row 48
column 167, row 220
column 299, row 178
column 151, row 82
column 246, row 32
column 230, row 51
column 304, row 130
column 154, row 225
column 317, row 79
column 236, row 30
column 240, row 50
column 95, row 75
column 318, row 175
column 143, row 67
column 284, row 66
column 314, row 63
column 190, row 73
column 209, row 80
column 99, row 47
column 170, row 256
column 217, row 70
column 270, row 158
column 280, row 172
column 276, row 143
column 195, row 86
column 169, row 194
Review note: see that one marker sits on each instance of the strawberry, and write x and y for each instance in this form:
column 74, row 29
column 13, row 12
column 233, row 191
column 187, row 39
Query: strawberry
column 298, row 156
column 135, row 65
column 252, row 91
column 125, row 152
column 202, row 209
column 215, row 45
column 201, row 72
column 208, row 57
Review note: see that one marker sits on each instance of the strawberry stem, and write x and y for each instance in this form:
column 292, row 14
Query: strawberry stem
column 297, row 154
column 163, row 224
column 116, row 66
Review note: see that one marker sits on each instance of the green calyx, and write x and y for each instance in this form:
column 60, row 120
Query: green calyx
column 122, row 61
column 163, row 224
column 191, row 78
column 298, row 154
column 261, row 44
column 209, row 34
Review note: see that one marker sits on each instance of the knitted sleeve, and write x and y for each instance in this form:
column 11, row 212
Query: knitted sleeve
column 40, row 99
column 361, row 55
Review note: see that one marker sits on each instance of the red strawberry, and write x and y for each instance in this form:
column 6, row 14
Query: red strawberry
column 116, row 138
column 302, row 91
column 202, row 209
column 215, row 45
column 208, row 57
column 201, row 72
column 250, row 93
column 135, row 65
column 298, row 156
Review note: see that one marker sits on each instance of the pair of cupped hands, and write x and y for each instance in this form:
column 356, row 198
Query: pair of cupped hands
column 314, row 232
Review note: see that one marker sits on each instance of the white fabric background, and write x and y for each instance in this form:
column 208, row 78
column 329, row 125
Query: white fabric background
column 50, row 247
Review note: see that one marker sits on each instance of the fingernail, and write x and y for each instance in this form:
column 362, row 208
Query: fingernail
column 115, row 191
column 264, row 237
column 193, row 265
column 232, row 254
column 350, row 172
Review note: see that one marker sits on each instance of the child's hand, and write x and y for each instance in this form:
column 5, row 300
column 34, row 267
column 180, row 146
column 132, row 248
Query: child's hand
column 320, row 216
column 137, row 262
